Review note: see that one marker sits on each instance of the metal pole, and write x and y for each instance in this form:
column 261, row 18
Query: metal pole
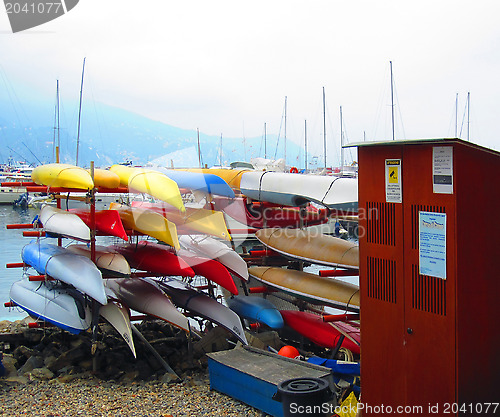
column 265, row 141
column 305, row 145
column 456, row 115
column 468, row 116
column 79, row 114
column 324, row 125
column 285, row 129
column 341, row 144
column 392, row 101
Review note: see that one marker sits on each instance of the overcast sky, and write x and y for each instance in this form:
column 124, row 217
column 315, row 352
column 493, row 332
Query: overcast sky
column 226, row 66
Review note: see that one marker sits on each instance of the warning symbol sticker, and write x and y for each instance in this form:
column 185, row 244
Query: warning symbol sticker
column 393, row 181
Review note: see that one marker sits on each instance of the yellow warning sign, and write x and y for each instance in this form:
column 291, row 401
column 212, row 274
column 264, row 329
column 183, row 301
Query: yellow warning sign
column 393, row 175
column 393, row 192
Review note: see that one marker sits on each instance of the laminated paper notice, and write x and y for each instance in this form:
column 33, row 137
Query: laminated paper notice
column 432, row 244
column 442, row 169
column 393, row 181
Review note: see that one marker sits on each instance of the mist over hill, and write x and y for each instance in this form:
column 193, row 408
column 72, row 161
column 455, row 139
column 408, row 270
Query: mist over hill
column 111, row 135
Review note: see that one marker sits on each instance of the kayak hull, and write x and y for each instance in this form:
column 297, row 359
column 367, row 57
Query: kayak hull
column 256, row 309
column 112, row 264
column 61, row 223
column 50, row 302
column 62, row 175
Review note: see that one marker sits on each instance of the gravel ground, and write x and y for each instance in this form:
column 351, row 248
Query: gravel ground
column 89, row 396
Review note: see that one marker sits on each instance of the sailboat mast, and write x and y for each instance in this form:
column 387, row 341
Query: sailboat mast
column 341, row 143
column 392, row 100
column 265, row 141
column 456, row 115
column 324, row 125
column 199, row 149
column 220, row 156
column 79, row 114
column 468, row 116
column 58, row 146
column 285, row 129
column 305, row 146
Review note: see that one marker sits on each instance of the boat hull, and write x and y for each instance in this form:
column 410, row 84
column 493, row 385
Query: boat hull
column 112, row 264
column 310, row 287
column 145, row 296
column 107, row 222
column 315, row 329
column 62, row 223
column 50, row 302
column 188, row 298
column 61, row 264
column 256, row 309
column 311, row 246
column 62, row 175
column 118, row 316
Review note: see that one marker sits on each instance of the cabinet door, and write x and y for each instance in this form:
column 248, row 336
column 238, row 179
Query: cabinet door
column 429, row 317
column 381, row 285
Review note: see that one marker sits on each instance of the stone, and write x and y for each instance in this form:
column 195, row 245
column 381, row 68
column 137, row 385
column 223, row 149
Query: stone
column 42, row 374
column 32, row 363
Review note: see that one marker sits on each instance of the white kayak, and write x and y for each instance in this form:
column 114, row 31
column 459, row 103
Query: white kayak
column 202, row 305
column 144, row 295
column 340, row 193
column 213, row 249
column 118, row 316
column 112, row 264
column 64, row 265
column 62, row 223
column 65, row 308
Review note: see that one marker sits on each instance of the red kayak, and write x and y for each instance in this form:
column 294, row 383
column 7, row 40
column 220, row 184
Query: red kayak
column 210, row 269
column 155, row 258
column 262, row 214
column 315, row 329
column 106, row 221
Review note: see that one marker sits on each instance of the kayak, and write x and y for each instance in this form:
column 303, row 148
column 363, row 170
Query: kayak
column 110, row 263
column 147, row 222
column 66, row 266
column 198, row 181
column 107, row 222
column 62, row 175
column 311, row 246
column 193, row 220
column 294, row 190
column 155, row 258
column 118, row 315
column 213, row 249
column 313, row 327
column 65, row 308
column 105, row 178
column 144, row 295
column 230, row 176
column 62, row 223
column 310, row 287
column 256, row 309
column 150, row 182
column 210, row 269
column 202, row 305
column 264, row 214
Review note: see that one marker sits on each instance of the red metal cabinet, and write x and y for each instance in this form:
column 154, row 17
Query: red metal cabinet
column 429, row 341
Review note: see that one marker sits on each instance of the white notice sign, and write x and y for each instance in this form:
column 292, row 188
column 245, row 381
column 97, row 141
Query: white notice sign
column 393, row 181
column 432, row 244
column 442, row 169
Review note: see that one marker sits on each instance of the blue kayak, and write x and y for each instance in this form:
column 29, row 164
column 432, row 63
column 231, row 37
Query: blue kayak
column 256, row 309
column 66, row 266
column 197, row 181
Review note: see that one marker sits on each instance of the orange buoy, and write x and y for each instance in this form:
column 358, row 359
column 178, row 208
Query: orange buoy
column 289, row 352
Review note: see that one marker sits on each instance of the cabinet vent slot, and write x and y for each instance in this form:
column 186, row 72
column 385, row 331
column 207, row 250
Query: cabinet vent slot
column 381, row 227
column 415, row 208
column 428, row 293
column 382, row 279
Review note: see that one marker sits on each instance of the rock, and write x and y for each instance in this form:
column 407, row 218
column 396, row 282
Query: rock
column 129, row 376
column 32, row 363
column 214, row 341
column 70, row 357
column 10, row 364
column 168, row 378
column 18, row 379
column 42, row 374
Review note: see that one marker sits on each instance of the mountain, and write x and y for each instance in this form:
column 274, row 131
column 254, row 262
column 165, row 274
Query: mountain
column 111, row 135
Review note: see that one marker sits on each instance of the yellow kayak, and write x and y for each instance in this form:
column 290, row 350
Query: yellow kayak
column 105, row 178
column 147, row 222
column 312, row 288
column 311, row 246
column 62, row 175
column 150, row 182
column 209, row 222
column 231, row 176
